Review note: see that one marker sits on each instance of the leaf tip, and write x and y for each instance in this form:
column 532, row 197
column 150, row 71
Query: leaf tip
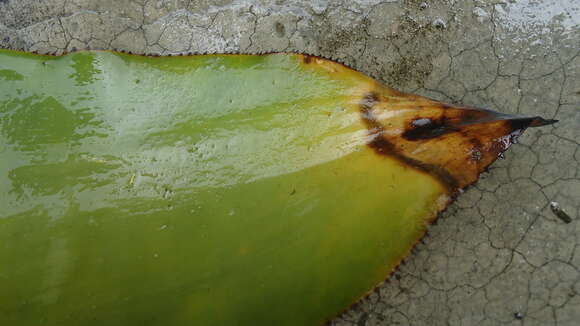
column 526, row 122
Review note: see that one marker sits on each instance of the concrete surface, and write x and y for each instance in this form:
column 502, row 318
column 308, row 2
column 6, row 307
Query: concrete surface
column 499, row 256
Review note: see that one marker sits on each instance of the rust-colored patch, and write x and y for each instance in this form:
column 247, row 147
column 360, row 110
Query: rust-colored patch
column 307, row 59
column 451, row 143
column 383, row 146
column 476, row 149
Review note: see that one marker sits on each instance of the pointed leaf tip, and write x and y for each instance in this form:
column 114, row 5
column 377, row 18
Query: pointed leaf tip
column 539, row 121
column 451, row 143
column 520, row 123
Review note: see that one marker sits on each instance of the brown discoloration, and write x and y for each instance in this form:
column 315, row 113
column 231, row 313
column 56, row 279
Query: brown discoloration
column 453, row 144
column 431, row 129
column 475, row 150
column 383, row 146
column 307, row 59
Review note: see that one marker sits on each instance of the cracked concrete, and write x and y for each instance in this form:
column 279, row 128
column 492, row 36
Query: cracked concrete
column 499, row 255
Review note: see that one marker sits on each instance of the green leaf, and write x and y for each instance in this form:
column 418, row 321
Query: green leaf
column 219, row 189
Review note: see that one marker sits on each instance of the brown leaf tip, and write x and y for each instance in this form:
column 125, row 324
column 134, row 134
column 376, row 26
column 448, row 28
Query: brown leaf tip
column 454, row 144
column 525, row 122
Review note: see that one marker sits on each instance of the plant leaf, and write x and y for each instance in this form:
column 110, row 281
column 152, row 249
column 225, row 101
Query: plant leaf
column 217, row 189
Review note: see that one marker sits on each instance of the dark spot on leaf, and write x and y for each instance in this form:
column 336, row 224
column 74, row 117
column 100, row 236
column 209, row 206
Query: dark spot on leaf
column 434, row 129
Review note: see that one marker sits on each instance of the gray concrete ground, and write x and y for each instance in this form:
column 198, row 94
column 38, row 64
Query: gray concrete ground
column 499, row 256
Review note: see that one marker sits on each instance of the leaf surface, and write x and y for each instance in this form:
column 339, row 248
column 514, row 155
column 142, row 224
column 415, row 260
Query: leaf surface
column 217, row 189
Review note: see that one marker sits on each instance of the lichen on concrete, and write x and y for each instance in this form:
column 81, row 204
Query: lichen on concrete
column 499, row 255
